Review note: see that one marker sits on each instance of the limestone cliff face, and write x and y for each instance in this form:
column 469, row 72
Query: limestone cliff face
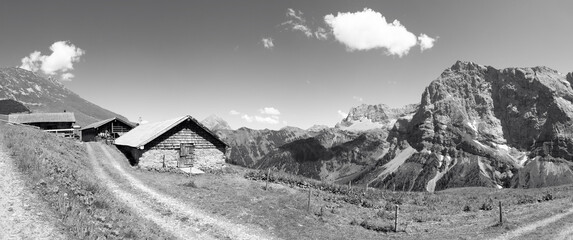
column 379, row 116
column 478, row 119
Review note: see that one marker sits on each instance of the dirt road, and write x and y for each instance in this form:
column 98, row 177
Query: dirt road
column 181, row 219
column 22, row 215
column 566, row 233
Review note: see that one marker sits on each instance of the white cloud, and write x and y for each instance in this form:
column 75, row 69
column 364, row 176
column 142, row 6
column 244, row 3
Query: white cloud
column 425, row 42
column 268, row 120
column 270, row 111
column 302, row 28
column 321, row 34
column 32, row 62
column 268, row 43
column 296, row 22
column 234, row 112
column 60, row 61
column 358, row 98
column 368, row 30
column 342, row 114
column 247, row 118
column 67, row 76
column 291, row 13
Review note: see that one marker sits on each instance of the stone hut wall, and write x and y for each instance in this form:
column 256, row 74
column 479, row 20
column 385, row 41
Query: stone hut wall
column 156, row 158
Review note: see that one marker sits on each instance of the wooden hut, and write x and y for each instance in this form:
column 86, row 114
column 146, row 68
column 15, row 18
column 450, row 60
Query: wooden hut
column 106, row 129
column 60, row 123
column 45, row 121
column 179, row 142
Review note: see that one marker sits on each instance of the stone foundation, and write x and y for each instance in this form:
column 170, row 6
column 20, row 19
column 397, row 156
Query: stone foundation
column 205, row 159
column 209, row 159
column 155, row 158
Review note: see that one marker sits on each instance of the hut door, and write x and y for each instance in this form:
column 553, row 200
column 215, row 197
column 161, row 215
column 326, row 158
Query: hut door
column 187, row 155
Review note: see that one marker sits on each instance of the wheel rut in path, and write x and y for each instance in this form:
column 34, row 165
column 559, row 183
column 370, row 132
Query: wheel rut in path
column 219, row 227
column 564, row 234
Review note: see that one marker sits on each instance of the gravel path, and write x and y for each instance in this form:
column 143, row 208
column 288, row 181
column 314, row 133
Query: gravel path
column 564, row 234
column 22, row 214
column 203, row 225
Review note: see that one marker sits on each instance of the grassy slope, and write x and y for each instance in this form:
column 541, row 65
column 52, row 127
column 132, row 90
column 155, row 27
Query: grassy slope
column 59, row 172
column 347, row 215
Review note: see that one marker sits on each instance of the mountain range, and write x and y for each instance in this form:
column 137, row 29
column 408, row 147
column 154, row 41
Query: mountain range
column 475, row 125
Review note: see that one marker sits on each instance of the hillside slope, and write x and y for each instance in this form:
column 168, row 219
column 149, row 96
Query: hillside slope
column 44, row 95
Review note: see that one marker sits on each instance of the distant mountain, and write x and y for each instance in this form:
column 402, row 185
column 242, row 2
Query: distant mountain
column 248, row 146
column 317, row 128
column 215, row 123
column 45, row 95
column 366, row 117
column 475, row 126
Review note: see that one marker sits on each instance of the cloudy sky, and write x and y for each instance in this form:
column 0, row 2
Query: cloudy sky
column 268, row 64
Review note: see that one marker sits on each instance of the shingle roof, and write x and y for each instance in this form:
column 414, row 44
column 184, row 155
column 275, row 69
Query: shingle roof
column 103, row 122
column 143, row 134
column 42, row 117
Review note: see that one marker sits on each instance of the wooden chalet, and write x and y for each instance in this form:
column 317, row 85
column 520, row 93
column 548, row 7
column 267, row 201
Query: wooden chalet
column 180, row 142
column 60, row 123
column 108, row 129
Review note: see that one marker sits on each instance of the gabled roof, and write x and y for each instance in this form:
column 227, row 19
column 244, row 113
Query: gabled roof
column 143, row 134
column 42, row 117
column 103, row 122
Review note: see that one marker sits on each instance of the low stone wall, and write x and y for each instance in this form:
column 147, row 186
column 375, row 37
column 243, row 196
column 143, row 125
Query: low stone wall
column 155, row 158
column 205, row 159
column 209, row 159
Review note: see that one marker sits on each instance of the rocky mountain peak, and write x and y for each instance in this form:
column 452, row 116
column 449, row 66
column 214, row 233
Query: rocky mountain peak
column 365, row 117
column 317, row 128
column 216, row 123
column 460, row 66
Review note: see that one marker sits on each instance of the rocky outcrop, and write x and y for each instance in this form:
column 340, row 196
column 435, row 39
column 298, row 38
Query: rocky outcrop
column 480, row 126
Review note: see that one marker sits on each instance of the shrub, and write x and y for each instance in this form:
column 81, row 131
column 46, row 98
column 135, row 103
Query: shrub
column 467, row 208
column 487, row 206
column 547, row 197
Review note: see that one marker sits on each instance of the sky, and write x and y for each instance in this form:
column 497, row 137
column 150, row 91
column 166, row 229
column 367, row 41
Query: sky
column 269, row 64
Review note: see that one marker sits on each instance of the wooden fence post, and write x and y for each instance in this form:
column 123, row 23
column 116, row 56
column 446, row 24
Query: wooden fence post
column 308, row 206
column 268, row 178
column 500, row 214
column 396, row 219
